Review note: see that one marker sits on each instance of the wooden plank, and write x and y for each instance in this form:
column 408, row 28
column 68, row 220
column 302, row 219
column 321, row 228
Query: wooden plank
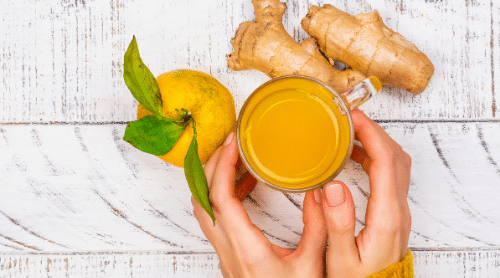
column 495, row 56
column 456, row 36
column 110, row 264
column 65, row 189
column 427, row 264
column 63, row 61
column 457, row 263
column 80, row 187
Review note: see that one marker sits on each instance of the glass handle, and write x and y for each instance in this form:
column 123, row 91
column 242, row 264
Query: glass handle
column 362, row 92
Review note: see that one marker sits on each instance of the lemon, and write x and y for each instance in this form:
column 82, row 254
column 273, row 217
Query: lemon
column 210, row 103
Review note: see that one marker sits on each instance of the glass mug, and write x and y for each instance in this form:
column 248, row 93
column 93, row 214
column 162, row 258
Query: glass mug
column 295, row 133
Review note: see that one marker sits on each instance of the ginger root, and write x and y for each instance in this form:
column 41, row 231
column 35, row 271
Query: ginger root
column 365, row 43
column 362, row 42
column 266, row 46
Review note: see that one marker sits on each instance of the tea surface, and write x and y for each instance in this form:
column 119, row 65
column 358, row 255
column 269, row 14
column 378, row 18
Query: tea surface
column 294, row 138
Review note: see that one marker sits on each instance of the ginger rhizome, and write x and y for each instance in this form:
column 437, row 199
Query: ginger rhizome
column 266, row 46
column 362, row 42
column 365, row 43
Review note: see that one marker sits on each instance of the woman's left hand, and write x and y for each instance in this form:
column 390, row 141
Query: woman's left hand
column 244, row 251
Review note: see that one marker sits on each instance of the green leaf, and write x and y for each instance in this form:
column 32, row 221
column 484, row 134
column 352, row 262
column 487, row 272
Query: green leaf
column 153, row 135
column 195, row 176
column 140, row 81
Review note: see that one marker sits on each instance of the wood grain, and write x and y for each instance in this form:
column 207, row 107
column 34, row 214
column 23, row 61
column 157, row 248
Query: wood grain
column 63, row 61
column 427, row 264
column 494, row 55
column 110, row 264
column 81, row 187
column 75, row 200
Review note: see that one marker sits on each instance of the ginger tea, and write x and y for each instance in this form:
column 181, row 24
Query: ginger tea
column 293, row 135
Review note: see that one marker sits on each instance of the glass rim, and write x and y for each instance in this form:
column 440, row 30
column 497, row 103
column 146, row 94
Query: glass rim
column 343, row 106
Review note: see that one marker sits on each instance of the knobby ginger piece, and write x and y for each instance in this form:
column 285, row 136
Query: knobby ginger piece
column 366, row 44
column 266, row 46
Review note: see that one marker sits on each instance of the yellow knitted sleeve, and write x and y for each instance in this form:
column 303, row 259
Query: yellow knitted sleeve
column 403, row 269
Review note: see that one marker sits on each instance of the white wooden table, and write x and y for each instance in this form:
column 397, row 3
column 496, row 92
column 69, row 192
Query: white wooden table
column 78, row 201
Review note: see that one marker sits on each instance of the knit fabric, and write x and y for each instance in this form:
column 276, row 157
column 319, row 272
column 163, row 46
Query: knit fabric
column 403, row 269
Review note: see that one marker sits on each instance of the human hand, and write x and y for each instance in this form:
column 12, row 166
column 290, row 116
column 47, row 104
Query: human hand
column 244, row 251
column 384, row 239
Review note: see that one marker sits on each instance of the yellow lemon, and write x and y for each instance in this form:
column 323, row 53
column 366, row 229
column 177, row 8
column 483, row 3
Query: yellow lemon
column 211, row 106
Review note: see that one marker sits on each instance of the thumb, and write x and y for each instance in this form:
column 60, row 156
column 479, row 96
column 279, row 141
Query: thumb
column 338, row 209
column 312, row 245
column 228, row 210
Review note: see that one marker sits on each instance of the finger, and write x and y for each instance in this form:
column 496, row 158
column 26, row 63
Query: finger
column 387, row 215
column 338, row 210
column 360, row 156
column 244, row 186
column 312, row 245
column 222, row 191
column 389, row 170
column 369, row 133
column 239, row 162
column 229, row 212
column 381, row 149
column 210, row 166
column 204, row 220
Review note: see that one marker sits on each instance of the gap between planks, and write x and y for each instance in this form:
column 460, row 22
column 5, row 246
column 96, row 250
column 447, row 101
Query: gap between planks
column 469, row 264
column 380, row 121
column 210, row 252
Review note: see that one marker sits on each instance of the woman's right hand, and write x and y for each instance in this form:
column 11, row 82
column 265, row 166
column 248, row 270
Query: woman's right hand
column 384, row 239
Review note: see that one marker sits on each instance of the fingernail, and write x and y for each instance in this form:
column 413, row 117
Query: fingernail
column 317, row 196
column 334, row 194
column 229, row 139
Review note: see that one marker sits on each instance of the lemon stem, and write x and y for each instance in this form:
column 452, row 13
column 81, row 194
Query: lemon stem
column 185, row 117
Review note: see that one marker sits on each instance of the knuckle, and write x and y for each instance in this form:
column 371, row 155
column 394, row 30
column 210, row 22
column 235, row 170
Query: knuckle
column 217, row 202
column 388, row 154
column 342, row 228
column 406, row 159
column 255, row 256
column 393, row 223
